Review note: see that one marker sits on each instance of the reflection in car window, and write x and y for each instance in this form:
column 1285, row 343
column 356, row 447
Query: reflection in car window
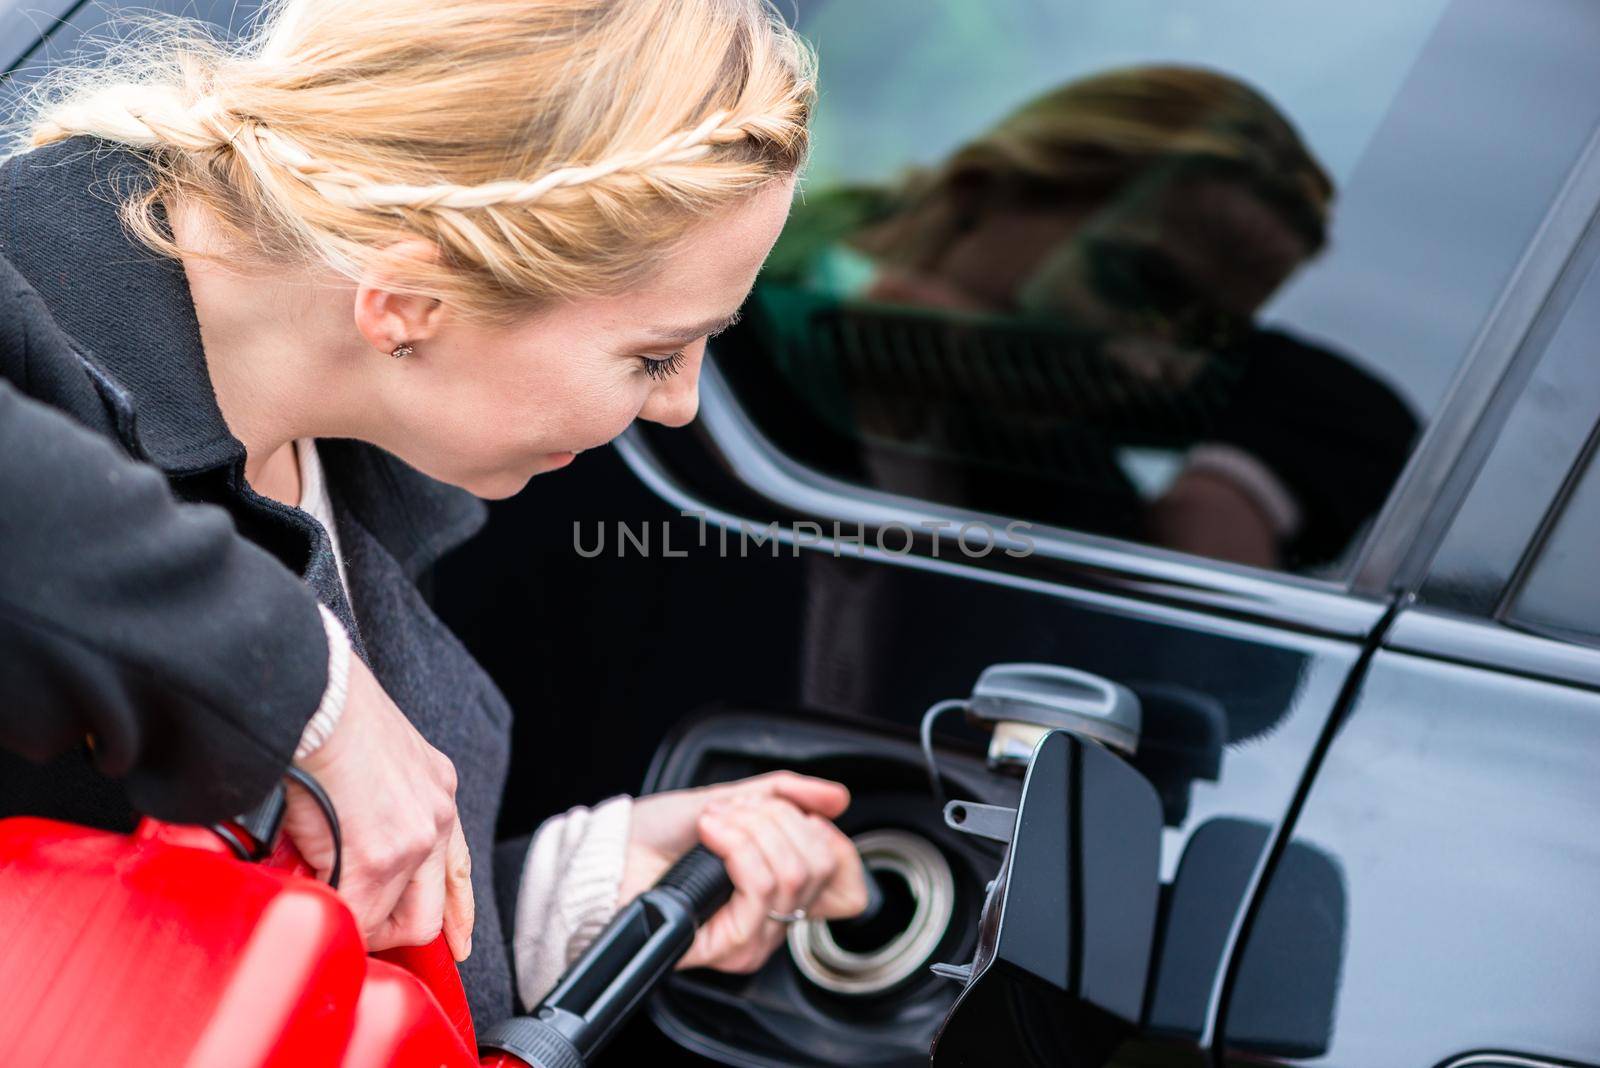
column 1119, row 268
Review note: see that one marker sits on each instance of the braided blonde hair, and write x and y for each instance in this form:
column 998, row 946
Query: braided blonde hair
column 550, row 149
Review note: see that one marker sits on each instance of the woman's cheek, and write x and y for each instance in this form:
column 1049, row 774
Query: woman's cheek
column 613, row 412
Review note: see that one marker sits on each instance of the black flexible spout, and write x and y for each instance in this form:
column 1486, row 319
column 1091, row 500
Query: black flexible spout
column 638, row 949
column 603, row 987
column 866, row 923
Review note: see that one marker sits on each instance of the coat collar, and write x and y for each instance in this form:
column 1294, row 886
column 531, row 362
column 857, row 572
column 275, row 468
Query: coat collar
column 130, row 311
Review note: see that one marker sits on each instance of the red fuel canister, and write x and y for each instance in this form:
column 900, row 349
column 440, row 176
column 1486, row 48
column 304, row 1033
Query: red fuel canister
column 161, row 948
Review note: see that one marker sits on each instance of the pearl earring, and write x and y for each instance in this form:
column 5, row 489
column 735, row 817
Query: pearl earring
column 402, row 350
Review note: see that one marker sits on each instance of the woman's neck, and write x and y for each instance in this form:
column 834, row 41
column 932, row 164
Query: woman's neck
column 280, row 357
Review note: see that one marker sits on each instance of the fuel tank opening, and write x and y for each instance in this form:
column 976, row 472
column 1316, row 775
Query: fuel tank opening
column 896, row 906
column 918, row 899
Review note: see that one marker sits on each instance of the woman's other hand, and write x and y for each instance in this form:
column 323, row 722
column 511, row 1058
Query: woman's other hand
column 774, row 833
column 406, row 874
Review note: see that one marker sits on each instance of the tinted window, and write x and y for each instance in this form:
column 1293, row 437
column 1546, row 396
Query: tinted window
column 22, row 22
column 1558, row 594
column 34, row 37
column 1195, row 279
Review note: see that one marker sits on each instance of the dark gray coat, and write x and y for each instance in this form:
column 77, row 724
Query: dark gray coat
column 123, row 357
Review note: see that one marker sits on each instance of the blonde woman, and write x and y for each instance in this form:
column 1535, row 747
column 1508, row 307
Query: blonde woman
column 385, row 256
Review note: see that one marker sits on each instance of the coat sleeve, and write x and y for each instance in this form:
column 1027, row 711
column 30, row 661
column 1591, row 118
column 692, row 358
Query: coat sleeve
column 188, row 658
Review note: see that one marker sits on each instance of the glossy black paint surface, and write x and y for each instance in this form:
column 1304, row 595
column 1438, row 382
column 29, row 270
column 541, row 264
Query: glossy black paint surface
column 1482, row 643
column 884, row 637
column 1457, row 813
column 1292, row 1000
column 1233, row 709
column 1060, row 971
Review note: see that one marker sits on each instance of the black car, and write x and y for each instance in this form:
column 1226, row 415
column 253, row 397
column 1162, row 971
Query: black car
column 1214, row 383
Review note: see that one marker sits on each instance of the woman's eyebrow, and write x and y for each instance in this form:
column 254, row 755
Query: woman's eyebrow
column 695, row 331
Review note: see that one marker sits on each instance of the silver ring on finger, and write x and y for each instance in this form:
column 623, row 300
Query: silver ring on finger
column 786, row 918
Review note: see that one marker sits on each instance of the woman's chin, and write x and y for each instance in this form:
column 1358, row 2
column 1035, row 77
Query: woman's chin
column 555, row 461
column 508, row 482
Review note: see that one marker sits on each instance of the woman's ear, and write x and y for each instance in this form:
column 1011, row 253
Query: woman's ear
column 385, row 314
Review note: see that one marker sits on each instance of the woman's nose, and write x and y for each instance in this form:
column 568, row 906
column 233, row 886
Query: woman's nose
column 674, row 403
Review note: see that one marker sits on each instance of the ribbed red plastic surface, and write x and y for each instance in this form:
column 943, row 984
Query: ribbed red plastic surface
column 160, row 949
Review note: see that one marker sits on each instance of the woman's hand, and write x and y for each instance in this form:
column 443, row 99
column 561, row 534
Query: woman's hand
column 782, row 852
column 406, row 873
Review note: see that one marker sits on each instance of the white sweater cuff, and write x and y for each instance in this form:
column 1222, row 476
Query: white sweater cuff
column 568, row 891
column 326, row 717
column 1252, row 478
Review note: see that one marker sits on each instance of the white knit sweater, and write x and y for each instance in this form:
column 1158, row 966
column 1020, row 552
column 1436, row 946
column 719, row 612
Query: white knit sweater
column 568, row 890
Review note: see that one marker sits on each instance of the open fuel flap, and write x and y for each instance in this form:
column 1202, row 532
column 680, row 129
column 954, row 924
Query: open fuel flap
column 1020, row 885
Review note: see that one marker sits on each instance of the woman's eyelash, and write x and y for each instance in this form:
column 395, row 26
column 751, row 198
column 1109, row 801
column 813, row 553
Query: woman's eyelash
column 661, row 368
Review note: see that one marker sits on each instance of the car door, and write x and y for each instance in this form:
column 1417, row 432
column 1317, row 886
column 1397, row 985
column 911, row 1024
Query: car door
column 1065, row 287
column 1452, row 818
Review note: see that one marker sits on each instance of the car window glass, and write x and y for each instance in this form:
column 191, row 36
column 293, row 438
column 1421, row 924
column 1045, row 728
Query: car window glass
column 1557, row 593
column 1189, row 278
column 39, row 34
